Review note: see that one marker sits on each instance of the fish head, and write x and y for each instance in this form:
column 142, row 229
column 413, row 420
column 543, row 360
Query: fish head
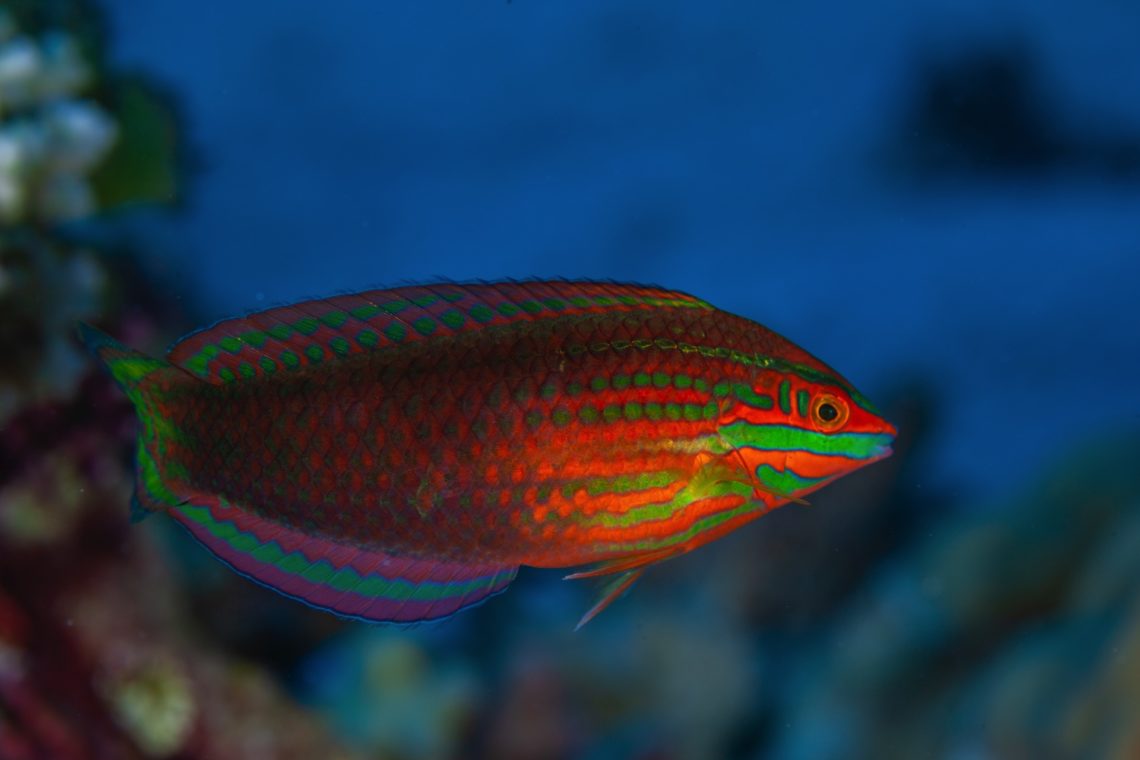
column 797, row 428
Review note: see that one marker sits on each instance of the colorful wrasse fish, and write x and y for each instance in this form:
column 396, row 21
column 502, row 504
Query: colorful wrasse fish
column 396, row 455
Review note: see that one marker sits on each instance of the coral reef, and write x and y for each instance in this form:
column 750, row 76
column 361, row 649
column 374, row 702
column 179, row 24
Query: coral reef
column 42, row 362
column 387, row 692
column 883, row 621
column 50, row 139
column 98, row 658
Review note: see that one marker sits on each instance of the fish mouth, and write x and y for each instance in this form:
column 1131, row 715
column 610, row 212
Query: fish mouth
column 883, row 448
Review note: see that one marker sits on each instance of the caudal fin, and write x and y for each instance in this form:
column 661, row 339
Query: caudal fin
column 148, row 383
column 129, row 368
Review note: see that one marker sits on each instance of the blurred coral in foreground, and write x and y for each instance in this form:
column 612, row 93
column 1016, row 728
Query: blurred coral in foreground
column 98, row 657
column 884, row 621
column 50, row 138
column 1008, row 632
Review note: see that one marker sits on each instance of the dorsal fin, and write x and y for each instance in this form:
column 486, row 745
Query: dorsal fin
column 290, row 338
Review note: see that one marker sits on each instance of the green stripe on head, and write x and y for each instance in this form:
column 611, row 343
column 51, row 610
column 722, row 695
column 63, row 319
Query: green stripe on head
column 788, row 438
column 784, row 481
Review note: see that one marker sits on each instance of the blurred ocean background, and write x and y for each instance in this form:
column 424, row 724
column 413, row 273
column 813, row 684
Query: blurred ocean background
column 940, row 199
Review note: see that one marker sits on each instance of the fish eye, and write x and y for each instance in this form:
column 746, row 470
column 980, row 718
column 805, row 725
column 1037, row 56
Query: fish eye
column 829, row 412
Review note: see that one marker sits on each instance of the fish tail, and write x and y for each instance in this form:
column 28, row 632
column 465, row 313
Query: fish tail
column 149, row 383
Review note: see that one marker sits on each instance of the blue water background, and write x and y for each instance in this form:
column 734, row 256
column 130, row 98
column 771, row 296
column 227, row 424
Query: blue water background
column 740, row 151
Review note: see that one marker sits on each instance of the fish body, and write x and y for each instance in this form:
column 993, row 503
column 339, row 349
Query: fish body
column 397, row 454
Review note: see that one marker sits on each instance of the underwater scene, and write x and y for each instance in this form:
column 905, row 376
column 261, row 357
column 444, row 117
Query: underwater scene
column 597, row 380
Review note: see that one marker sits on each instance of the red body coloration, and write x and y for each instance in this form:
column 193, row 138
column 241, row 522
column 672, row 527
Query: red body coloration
column 546, row 424
column 442, row 446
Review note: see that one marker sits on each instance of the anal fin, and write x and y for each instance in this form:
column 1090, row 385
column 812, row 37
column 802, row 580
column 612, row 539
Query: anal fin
column 355, row 582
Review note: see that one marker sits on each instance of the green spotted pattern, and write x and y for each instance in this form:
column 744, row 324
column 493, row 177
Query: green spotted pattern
column 396, row 332
column 619, row 484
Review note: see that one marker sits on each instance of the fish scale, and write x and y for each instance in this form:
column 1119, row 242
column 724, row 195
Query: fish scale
column 396, row 455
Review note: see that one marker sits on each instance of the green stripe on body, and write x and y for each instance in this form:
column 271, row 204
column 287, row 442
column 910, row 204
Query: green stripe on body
column 647, row 514
column 695, row 490
column 622, row 484
column 322, row 571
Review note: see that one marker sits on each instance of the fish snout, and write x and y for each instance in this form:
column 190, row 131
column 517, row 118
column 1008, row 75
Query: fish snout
column 884, row 441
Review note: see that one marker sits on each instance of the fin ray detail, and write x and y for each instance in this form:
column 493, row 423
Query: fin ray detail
column 611, row 592
column 347, row 580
